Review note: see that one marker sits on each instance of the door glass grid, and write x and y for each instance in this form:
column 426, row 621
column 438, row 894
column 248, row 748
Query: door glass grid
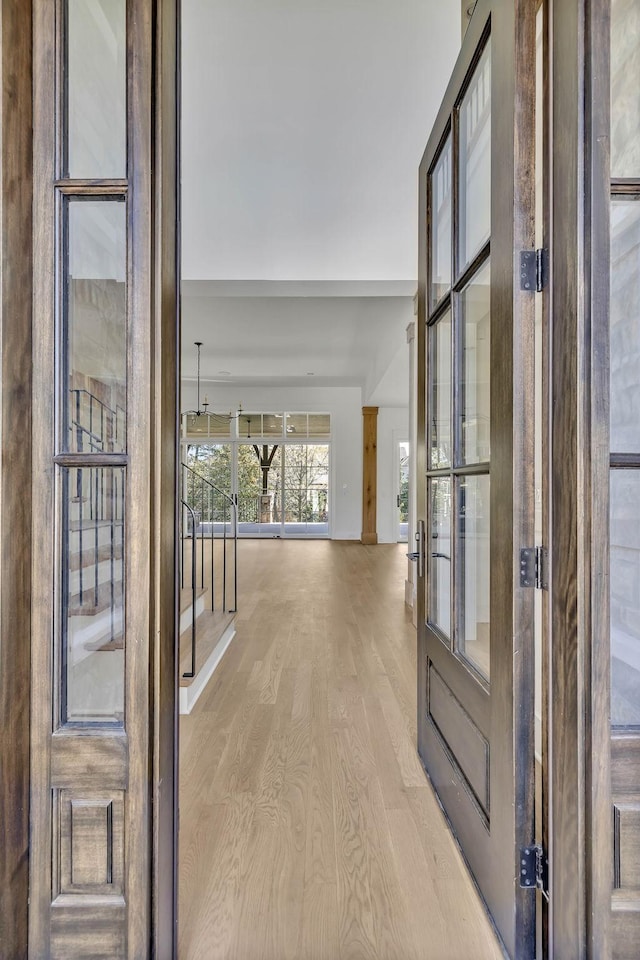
column 91, row 361
column 441, row 210
column 474, row 175
column 624, row 334
column 458, row 414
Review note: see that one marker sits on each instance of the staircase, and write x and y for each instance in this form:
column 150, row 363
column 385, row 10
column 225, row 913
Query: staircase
column 208, row 578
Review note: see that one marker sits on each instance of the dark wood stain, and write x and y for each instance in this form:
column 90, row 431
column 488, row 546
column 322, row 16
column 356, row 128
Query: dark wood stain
column 15, row 477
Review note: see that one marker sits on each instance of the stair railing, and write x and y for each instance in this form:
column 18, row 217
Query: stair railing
column 194, row 585
column 214, row 518
column 217, row 520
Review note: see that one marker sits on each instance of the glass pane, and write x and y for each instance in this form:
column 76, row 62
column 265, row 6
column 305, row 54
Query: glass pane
column 95, row 354
column 250, row 425
column 439, row 555
column 440, row 391
column 272, row 424
column 625, row 83
column 403, row 491
column 625, row 591
column 96, row 89
column 319, row 425
column 93, row 610
column 625, row 326
column 441, row 224
column 306, row 489
column 475, row 162
column 296, row 425
column 207, row 425
column 473, row 547
column 207, row 486
column 259, row 489
column 476, row 366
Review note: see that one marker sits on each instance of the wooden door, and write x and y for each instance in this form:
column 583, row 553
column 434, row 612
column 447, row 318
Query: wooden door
column 475, row 383
column 103, row 549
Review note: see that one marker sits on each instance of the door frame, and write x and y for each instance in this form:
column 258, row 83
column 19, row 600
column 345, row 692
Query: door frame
column 580, row 831
column 580, row 872
column 16, row 273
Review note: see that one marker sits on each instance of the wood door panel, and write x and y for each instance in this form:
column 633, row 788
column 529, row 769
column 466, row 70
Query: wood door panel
column 464, row 686
column 461, row 736
column 626, row 845
column 75, row 758
column 625, row 763
column 625, row 930
column 85, row 928
column 91, row 843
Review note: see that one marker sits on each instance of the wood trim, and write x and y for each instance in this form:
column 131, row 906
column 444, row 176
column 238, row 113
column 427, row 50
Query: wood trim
column 42, row 550
column 596, row 444
column 139, row 478
column 568, row 494
column 369, row 474
column 16, row 279
column 165, row 464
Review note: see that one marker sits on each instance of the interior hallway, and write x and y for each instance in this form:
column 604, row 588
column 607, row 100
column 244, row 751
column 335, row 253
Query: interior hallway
column 308, row 828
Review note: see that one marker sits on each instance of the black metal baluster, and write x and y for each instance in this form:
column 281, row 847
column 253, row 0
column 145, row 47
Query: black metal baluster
column 194, row 581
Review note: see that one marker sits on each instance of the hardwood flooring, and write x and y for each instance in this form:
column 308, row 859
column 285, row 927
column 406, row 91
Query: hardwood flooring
column 308, row 828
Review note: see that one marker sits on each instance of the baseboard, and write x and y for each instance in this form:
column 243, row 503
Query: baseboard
column 189, row 695
column 408, row 593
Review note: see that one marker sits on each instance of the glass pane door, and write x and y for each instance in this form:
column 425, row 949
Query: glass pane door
column 259, row 489
column 475, row 621
column 306, row 490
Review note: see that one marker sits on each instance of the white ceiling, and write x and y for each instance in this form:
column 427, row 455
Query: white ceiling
column 303, row 126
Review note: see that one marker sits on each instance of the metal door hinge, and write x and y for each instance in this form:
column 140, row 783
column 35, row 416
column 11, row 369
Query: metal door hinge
column 533, row 567
column 534, row 869
column 533, row 270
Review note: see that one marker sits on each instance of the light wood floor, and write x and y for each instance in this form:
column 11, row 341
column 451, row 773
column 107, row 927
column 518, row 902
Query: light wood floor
column 308, row 828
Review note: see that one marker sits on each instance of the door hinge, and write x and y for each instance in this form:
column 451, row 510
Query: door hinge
column 534, row 869
column 533, row 270
column 533, row 567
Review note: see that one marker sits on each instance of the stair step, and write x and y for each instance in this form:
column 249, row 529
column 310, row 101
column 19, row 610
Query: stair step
column 88, row 607
column 106, row 644
column 186, row 597
column 79, row 560
column 210, row 627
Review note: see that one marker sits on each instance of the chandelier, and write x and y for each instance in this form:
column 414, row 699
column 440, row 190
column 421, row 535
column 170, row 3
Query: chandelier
column 203, row 411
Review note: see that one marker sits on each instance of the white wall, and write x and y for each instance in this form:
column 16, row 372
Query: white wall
column 393, row 426
column 345, row 406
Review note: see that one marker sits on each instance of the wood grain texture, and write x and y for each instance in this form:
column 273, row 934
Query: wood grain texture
column 369, row 474
column 308, row 829
column 16, row 286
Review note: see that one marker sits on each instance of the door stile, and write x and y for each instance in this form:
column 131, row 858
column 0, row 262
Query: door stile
column 165, row 466
column 571, row 502
column 16, row 271
column 42, row 549
column 515, row 392
column 140, row 595
column 543, row 828
column 597, row 445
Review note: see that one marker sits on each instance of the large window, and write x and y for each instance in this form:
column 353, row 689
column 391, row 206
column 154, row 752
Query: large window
column 275, row 464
